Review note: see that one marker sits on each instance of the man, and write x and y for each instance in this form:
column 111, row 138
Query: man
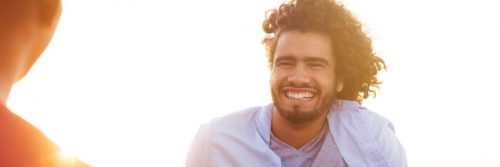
column 322, row 67
column 26, row 27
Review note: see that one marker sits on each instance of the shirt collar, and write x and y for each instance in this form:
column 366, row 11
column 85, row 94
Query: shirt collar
column 265, row 114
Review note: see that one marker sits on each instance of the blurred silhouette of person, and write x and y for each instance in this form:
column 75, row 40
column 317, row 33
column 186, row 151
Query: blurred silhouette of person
column 322, row 66
column 26, row 27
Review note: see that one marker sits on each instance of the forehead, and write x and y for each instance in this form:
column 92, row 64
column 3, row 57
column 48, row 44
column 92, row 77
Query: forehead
column 301, row 45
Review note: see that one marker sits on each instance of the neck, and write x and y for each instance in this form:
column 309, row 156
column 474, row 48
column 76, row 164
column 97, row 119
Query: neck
column 5, row 87
column 296, row 135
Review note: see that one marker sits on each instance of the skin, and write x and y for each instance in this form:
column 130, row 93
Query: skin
column 303, row 86
column 26, row 29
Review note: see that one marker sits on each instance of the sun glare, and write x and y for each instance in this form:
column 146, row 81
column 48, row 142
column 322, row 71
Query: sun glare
column 128, row 83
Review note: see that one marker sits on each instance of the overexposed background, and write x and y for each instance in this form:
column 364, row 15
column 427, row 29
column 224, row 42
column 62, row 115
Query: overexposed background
column 127, row 83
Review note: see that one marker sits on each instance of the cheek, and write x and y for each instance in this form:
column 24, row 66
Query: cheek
column 326, row 80
column 277, row 76
column 273, row 80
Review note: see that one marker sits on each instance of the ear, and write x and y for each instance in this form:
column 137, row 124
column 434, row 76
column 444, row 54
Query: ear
column 340, row 86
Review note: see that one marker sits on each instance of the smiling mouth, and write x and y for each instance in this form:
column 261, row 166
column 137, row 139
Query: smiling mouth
column 300, row 95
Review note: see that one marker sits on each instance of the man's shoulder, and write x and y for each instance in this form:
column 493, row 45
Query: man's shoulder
column 231, row 140
column 373, row 133
column 351, row 112
column 373, row 117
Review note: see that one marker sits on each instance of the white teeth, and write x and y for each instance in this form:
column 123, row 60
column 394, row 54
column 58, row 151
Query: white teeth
column 300, row 95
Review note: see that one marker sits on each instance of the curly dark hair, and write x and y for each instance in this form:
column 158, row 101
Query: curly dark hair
column 356, row 63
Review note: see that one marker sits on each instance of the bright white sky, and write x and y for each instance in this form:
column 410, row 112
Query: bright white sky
column 128, row 82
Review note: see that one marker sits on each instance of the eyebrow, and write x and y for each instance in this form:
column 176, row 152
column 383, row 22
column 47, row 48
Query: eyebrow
column 285, row 58
column 317, row 59
column 307, row 59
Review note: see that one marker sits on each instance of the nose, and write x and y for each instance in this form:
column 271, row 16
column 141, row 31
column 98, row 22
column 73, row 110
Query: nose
column 299, row 76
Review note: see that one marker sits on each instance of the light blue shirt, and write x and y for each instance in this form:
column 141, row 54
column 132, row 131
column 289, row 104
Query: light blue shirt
column 364, row 139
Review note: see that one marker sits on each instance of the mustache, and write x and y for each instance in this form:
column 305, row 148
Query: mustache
column 295, row 85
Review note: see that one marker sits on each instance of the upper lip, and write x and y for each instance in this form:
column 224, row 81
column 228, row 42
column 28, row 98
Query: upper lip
column 295, row 89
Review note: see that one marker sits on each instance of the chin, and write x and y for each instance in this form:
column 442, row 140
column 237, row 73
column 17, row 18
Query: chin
column 297, row 114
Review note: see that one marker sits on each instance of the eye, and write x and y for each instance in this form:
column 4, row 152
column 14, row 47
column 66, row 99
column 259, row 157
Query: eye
column 316, row 65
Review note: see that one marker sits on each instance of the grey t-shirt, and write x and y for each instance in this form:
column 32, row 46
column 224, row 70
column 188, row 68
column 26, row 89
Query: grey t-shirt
column 321, row 151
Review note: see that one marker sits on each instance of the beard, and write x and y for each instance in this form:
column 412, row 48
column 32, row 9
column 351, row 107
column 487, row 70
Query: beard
column 298, row 115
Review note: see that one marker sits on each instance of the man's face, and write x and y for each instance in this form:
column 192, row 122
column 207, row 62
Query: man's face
column 303, row 84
